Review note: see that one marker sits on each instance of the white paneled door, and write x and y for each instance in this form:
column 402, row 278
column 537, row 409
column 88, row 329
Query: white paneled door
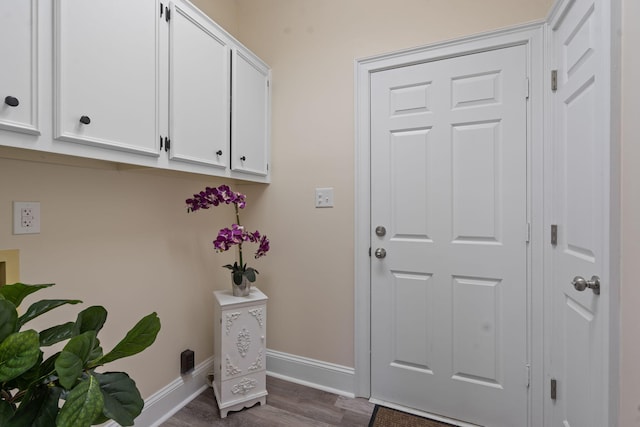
column 449, row 237
column 580, row 203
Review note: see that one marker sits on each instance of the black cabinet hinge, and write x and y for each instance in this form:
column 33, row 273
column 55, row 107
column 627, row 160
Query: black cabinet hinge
column 554, row 389
column 167, row 144
column 167, row 13
column 161, row 9
column 160, row 142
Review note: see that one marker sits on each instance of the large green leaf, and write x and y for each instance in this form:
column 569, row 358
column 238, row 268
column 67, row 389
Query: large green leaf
column 16, row 292
column 40, row 410
column 6, row 412
column 73, row 357
column 8, row 318
column 122, row 400
column 57, row 334
column 27, row 379
column 41, row 307
column 141, row 336
column 83, row 404
column 18, row 353
column 91, row 319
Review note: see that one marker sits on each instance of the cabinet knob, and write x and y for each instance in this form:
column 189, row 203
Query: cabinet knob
column 219, row 153
column 11, row 101
column 85, row 120
column 243, row 158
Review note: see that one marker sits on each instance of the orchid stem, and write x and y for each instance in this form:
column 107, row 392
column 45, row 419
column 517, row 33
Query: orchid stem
column 239, row 244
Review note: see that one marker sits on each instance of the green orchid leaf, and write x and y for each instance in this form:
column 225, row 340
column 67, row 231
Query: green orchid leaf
column 250, row 274
column 141, row 336
column 39, row 410
column 56, row 334
column 83, row 404
column 237, row 277
column 73, row 357
column 8, row 318
column 91, row 319
column 122, row 400
column 16, row 292
column 41, row 307
column 18, row 353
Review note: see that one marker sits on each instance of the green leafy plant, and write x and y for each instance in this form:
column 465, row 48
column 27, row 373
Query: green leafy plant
column 64, row 389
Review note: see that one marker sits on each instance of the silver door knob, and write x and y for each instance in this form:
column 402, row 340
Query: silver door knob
column 380, row 253
column 580, row 283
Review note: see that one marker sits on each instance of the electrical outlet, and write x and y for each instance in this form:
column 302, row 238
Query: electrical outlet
column 324, row 197
column 26, row 217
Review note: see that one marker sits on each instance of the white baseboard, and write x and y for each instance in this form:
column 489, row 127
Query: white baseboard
column 329, row 377
column 161, row 405
column 325, row 376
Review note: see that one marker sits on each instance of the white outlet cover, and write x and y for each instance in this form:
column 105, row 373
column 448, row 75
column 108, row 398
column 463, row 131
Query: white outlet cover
column 26, row 217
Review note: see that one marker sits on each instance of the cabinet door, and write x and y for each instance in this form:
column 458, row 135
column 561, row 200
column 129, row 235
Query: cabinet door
column 243, row 341
column 250, row 114
column 19, row 70
column 106, row 73
column 199, row 89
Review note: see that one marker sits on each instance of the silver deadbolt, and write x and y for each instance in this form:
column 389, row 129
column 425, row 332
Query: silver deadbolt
column 380, row 253
column 380, row 231
column 581, row 284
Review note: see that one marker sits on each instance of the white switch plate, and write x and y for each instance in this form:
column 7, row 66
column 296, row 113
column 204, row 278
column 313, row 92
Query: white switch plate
column 26, row 217
column 324, row 197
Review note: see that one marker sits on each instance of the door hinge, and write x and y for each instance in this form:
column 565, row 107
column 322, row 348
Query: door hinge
column 161, row 9
column 554, row 234
column 554, row 389
column 167, row 13
column 160, row 142
column 167, row 144
column 369, row 251
column 554, row 80
column 527, row 88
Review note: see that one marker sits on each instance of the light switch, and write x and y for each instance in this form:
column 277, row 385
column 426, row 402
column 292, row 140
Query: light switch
column 324, row 197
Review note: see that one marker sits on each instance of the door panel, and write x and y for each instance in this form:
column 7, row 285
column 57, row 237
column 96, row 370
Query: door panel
column 449, row 302
column 579, row 320
column 200, row 90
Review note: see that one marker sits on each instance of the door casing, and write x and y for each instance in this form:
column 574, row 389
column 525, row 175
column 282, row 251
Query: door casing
column 532, row 36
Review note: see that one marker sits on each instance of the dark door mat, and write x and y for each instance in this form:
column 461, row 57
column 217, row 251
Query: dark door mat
column 387, row 417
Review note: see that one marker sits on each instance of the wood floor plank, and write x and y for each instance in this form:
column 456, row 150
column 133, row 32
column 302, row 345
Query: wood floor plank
column 288, row 405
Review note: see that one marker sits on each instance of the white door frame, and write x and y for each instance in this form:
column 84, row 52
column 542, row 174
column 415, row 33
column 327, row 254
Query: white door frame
column 532, row 36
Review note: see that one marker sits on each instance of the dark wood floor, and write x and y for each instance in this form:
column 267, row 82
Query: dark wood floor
column 288, row 405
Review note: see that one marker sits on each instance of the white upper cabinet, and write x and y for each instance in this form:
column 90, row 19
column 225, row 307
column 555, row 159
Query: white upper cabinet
column 150, row 83
column 106, row 85
column 250, row 116
column 19, row 70
column 199, row 64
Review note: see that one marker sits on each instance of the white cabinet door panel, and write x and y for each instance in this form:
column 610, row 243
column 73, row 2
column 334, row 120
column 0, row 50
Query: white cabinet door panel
column 19, row 70
column 250, row 115
column 199, row 87
column 106, row 70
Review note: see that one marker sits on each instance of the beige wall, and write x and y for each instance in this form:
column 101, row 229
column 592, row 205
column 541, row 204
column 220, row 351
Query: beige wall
column 123, row 240
column 630, row 292
column 311, row 46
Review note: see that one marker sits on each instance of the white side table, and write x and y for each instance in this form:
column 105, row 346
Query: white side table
column 240, row 350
